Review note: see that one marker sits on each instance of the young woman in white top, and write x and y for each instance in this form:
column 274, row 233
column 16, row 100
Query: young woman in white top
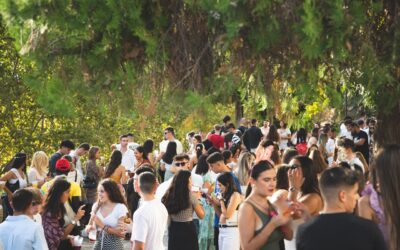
column 38, row 170
column 14, row 179
column 107, row 213
column 285, row 135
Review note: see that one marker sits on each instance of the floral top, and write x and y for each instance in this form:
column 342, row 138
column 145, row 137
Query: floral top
column 53, row 230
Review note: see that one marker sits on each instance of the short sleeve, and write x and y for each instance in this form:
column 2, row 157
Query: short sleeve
column 94, row 208
column 121, row 211
column 140, row 229
column 168, row 166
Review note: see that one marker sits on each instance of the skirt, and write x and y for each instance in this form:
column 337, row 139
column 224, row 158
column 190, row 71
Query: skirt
column 106, row 241
column 182, row 236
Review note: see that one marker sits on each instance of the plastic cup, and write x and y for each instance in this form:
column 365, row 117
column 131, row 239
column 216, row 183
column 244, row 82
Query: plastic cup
column 35, row 184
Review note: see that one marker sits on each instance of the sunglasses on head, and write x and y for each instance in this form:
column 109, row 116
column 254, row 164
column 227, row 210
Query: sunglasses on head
column 180, row 164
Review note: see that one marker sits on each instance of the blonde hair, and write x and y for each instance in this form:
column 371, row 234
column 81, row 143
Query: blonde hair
column 40, row 162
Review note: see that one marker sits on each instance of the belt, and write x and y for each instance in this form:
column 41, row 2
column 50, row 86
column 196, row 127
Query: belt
column 224, row 226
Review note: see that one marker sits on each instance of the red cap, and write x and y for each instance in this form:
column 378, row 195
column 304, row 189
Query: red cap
column 63, row 165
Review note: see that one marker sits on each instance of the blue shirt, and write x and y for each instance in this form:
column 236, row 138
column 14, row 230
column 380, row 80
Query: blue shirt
column 216, row 190
column 22, row 233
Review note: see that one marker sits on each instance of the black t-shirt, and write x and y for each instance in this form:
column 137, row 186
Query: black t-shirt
column 252, row 137
column 339, row 231
column 363, row 149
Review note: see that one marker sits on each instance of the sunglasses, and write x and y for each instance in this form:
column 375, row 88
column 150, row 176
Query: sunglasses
column 180, row 164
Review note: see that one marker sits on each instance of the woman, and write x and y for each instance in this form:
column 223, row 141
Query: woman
column 288, row 155
column 38, row 170
column 107, row 213
column 15, row 178
column 285, row 135
column 246, row 160
column 370, row 206
column 303, row 188
column 93, row 174
column 181, row 204
column 319, row 162
column 115, row 171
column 322, row 143
column 54, row 213
column 206, row 227
column 148, row 146
column 300, row 141
column 167, row 159
column 141, row 157
column 313, row 140
column 273, row 135
column 195, row 158
column 260, row 226
column 227, row 210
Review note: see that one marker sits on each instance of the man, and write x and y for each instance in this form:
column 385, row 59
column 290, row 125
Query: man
column 224, row 129
column 216, row 138
column 217, row 165
column 19, row 231
column 344, row 128
column 252, row 136
column 337, row 227
column 330, row 144
column 62, row 169
column 364, row 128
column 360, row 139
column 76, row 155
column 65, row 148
column 229, row 136
column 151, row 218
column 243, row 125
column 265, row 128
column 169, row 135
column 128, row 156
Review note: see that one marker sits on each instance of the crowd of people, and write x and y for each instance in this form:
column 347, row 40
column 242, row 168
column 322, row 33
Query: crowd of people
column 233, row 188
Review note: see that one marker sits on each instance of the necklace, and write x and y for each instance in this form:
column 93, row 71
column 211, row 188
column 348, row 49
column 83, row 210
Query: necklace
column 261, row 206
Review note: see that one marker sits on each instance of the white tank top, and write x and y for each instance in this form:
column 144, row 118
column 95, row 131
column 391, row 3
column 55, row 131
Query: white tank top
column 22, row 181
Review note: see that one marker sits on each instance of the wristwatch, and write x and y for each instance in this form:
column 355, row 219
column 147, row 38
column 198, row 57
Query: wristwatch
column 292, row 189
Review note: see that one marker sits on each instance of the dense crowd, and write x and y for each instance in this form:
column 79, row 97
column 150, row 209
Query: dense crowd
column 244, row 187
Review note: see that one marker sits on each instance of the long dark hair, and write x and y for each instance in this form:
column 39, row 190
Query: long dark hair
column 141, row 150
column 310, row 184
column 168, row 157
column 282, row 180
column 202, row 165
column 148, row 146
column 256, row 171
column 115, row 162
column 92, row 153
column 227, row 180
column 273, row 134
column 199, row 150
column 177, row 197
column 17, row 162
column 387, row 166
column 53, row 204
column 113, row 192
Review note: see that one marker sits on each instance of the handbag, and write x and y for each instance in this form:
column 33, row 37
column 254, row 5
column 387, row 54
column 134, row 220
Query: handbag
column 89, row 183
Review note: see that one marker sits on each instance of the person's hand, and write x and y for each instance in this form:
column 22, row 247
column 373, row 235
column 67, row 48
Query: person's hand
column 299, row 210
column 281, row 219
column 213, row 201
column 80, row 213
column 296, row 178
column 125, row 225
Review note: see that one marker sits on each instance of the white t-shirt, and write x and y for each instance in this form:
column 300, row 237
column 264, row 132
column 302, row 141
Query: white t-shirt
column 283, row 133
column 164, row 144
column 330, row 148
column 356, row 161
column 162, row 188
column 264, row 130
column 111, row 220
column 128, row 160
column 78, row 163
column 344, row 132
column 149, row 224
